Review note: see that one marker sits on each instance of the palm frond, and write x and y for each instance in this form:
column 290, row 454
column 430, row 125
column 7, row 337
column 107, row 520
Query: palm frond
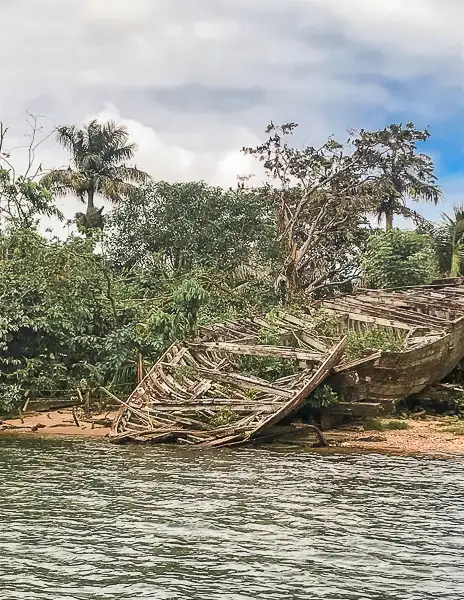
column 129, row 174
column 420, row 191
column 114, row 189
column 99, row 153
column 112, row 156
column 66, row 181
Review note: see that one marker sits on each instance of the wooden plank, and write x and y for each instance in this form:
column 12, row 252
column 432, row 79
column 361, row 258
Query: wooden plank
column 259, row 350
column 352, row 364
column 335, row 307
column 47, row 404
column 253, row 383
column 310, row 385
column 304, row 325
column 223, row 441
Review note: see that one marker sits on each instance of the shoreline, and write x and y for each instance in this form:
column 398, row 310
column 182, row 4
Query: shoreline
column 58, row 423
column 429, row 436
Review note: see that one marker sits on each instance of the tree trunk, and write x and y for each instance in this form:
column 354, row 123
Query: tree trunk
column 455, row 270
column 90, row 202
column 388, row 220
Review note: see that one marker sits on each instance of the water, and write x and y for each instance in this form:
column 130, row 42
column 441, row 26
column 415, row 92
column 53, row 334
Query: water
column 86, row 520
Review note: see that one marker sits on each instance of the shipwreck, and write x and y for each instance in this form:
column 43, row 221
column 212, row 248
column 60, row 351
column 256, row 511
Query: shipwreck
column 199, row 392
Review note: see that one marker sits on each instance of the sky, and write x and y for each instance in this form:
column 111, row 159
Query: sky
column 195, row 80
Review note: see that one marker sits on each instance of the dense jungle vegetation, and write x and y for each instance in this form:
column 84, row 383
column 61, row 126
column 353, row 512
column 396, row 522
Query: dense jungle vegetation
column 168, row 257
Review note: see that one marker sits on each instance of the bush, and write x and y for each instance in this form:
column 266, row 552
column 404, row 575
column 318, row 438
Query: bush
column 398, row 258
column 376, row 338
column 328, row 325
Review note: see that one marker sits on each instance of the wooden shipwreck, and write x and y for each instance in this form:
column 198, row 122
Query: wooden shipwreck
column 197, row 394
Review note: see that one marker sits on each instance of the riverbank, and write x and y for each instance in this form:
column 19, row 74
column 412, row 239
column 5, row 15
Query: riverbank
column 59, row 423
column 429, row 436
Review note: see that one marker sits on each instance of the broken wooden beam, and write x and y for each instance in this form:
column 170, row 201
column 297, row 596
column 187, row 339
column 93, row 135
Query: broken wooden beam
column 309, row 386
column 259, row 350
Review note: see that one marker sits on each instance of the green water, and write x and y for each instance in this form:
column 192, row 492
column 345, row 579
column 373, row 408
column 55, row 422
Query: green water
column 87, row 521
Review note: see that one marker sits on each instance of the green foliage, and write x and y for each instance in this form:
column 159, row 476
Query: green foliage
column 399, row 258
column 191, row 226
column 225, row 416
column 55, row 315
column 250, row 394
column 269, row 368
column 176, row 256
column 449, row 239
column 23, row 200
column 326, row 324
column 378, row 425
column 98, row 154
column 322, row 397
column 375, row 338
column 266, row 367
column 403, row 173
column 67, row 316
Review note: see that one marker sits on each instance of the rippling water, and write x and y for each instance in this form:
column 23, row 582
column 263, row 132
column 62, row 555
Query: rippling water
column 86, row 520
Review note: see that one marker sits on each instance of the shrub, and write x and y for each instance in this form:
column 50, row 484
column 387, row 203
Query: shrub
column 399, row 258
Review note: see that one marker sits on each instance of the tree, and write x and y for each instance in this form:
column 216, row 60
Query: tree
column 67, row 315
column 449, row 236
column 321, row 196
column 396, row 258
column 403, row 174
column 99, row 152
column 189, row 226
column 324, row 194
column 22, row 198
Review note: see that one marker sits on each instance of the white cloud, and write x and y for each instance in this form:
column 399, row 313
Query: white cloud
column 195, row 81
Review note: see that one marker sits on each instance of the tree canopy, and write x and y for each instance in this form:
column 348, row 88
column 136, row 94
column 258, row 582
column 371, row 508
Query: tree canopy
column 396, row 258
column 173, row 256
column 99, row 155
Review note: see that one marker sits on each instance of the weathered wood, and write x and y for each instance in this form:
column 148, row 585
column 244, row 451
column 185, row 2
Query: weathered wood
column 309, row 386
column 352, row 364
column 242, row 381
column 188, row 400
column 259, row 350
column 48, row 404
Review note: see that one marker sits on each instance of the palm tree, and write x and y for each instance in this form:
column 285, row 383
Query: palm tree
column 450, row 242
column 99, row 152
column 404, row 174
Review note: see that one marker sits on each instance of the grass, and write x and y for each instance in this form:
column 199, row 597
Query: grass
column 455, row 427
column 376, row 338
column 378, row 425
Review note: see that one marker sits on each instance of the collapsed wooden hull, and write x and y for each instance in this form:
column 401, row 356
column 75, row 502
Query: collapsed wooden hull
column 437, row 314
column 184, row 396
column 196, row 395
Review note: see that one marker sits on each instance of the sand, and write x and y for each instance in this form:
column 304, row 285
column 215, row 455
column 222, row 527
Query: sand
column 56, row 423
column 428, row 437
column 425, row 437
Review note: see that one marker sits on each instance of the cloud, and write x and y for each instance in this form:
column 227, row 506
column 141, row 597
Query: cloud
column 195, row 81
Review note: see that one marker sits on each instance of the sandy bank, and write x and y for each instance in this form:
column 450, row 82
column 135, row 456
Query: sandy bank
column 58, row 423
column 431, row 436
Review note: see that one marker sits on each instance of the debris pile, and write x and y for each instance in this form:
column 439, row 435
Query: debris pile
column 200, row 392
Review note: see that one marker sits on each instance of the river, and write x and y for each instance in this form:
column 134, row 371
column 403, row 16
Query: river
column 84, row 520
